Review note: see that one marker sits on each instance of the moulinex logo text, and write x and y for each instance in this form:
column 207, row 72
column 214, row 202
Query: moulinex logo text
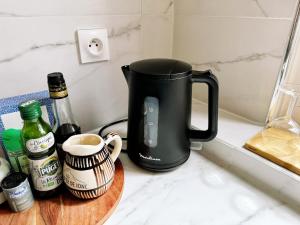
column 149, row 157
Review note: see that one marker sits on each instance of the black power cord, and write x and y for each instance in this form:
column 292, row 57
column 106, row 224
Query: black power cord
column 112, row 124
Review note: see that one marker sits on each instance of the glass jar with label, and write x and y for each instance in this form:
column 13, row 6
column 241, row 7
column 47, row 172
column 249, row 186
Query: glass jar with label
column 39, row 142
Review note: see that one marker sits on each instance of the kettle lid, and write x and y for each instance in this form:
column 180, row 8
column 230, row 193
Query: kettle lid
column 161, row 68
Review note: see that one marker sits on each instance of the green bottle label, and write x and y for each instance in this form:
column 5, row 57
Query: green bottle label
column 46, row 173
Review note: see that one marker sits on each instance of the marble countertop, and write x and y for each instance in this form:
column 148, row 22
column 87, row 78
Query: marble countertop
column 198, row 192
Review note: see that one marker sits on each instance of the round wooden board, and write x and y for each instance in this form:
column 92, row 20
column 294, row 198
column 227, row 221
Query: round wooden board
column 66, row 209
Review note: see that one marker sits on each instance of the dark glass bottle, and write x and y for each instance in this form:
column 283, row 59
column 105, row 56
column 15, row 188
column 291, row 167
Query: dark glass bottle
column 39, row 143
column 64, row 123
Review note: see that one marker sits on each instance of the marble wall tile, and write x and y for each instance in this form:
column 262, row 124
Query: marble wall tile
column 32, row 49
column 35, row 34
column 31, row 8
column 98, row 91
column 157, row 28
column 157, row 40
column 244, row 53
column 40, row 40
column 237, row 8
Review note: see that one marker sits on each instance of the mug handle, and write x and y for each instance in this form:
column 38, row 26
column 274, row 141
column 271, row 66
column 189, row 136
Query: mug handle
column 213, row 94
column 118, row 144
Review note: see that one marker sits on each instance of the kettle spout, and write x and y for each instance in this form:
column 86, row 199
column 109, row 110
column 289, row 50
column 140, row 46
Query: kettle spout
column 126, row 71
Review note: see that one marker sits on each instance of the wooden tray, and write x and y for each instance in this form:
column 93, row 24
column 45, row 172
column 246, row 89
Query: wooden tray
column 278, row 146
column 66, row 209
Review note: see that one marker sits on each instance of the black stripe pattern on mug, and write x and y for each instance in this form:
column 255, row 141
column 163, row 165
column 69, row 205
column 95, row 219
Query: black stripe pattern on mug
column 103, row 169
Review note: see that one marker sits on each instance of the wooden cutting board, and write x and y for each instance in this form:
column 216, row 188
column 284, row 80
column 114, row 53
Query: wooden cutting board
column 66, row 209
column 279, row 146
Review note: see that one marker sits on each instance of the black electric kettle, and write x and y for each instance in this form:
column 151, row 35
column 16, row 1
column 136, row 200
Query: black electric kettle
column 159, row 113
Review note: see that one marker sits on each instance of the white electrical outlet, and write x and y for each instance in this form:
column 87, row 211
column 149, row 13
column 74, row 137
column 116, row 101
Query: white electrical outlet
column 93, row 45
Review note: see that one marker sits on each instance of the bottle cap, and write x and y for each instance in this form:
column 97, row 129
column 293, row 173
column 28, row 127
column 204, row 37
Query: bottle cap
column 13, row 180
column 57, row 85
column 30, row 110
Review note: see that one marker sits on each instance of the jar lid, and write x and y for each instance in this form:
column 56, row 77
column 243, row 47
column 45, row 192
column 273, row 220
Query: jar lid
column 30, row 110
column 13, row 180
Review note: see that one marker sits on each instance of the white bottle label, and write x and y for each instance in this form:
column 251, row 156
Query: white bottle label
column 40, row 144
column 46, row 173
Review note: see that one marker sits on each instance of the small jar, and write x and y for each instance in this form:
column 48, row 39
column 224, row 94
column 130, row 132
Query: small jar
column 17, row 191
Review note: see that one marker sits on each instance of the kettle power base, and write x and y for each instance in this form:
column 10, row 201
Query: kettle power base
column 278, row 146
column 65, row 209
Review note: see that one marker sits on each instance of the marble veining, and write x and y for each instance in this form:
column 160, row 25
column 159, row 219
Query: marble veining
column 247, row 58
column 169, row 7
column 198, row 192
column 9, row 14
column 259, row 212
column 36, row 47
column 92, row 72
column 126, row 30
column 113, row 33
column 263, row 11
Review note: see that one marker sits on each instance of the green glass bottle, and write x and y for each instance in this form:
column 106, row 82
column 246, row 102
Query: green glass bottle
column 39, row 142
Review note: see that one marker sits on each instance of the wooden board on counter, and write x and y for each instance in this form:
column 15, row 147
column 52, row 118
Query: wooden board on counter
column 66, row 209
column 279, row 146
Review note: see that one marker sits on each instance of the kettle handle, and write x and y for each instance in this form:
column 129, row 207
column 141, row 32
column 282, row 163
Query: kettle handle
column 213, row 94
column 118, row 144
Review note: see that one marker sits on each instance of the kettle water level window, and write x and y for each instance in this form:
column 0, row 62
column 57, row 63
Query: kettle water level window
column 151, row 110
